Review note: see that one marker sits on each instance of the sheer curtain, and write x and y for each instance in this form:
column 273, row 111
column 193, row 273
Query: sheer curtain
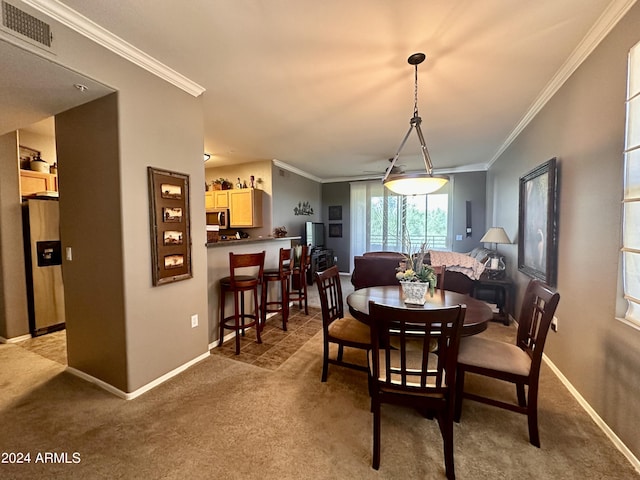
column 381, row 220
column 631, row 222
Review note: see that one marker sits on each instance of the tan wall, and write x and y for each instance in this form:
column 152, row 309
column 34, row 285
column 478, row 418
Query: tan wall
column 583, row 125
column 157, row 125
column 14, row 318
column 42, row 143
column 90, row 224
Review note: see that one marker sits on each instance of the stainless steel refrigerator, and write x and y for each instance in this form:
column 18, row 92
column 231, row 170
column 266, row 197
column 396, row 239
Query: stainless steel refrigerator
column 43, row 256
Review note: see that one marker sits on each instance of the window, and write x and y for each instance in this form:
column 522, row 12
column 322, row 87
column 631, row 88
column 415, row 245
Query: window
column 631, row 222
column 380, row 219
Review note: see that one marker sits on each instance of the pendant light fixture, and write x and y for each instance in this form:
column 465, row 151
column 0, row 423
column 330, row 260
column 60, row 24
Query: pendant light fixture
column 414, row 183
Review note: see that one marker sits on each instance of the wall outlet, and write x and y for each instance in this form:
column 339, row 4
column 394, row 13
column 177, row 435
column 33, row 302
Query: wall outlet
column 194, row 320
column 554, row 324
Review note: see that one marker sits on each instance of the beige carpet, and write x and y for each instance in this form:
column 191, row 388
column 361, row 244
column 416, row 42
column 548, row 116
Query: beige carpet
column 224, row 419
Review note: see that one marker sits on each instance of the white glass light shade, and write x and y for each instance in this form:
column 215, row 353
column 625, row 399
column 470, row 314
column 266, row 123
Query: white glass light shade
column 415, row 184
column 495, row 235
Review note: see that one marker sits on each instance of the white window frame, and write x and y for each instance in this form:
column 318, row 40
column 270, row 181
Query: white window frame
column 361, row 193
column 630, row 252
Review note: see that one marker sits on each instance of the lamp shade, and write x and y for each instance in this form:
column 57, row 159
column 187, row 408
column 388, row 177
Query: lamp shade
column 495, row 235
column 415, row 184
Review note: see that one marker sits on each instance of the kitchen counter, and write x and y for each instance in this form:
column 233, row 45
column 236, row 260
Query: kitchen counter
column 247, row 241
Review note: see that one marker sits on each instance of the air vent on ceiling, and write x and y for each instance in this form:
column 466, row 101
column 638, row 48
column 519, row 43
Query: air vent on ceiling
column 21, row 22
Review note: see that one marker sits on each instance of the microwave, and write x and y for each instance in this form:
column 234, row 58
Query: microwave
column 218, row 217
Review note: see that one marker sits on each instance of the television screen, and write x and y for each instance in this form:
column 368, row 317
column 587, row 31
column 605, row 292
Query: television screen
column 314, row 234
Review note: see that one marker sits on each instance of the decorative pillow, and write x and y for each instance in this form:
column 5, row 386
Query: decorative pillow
column 480, row 254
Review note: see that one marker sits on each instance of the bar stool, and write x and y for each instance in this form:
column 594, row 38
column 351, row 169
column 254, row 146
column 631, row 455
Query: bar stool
column 301, row 264
column 281, row 275
column 238, row 285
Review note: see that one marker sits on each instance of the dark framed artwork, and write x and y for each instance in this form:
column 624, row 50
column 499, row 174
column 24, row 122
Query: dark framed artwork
column 538, row 223
column 335, row 212
column 335, row 230
column 170, row 228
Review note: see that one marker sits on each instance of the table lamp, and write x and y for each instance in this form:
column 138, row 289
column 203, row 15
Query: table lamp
column 494, row 264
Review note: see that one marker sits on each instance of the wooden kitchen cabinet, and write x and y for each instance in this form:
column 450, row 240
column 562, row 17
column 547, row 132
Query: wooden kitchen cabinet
column 245, row 208
column 221, row 198
column 216, row 199
column 208, row 201
column 33, row 182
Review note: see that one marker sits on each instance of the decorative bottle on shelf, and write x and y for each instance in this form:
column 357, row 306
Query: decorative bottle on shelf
column 39, row 165
column 239, row 184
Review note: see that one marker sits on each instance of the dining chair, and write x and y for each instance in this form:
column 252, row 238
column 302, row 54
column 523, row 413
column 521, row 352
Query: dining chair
column 301, row 265
column 245, row 275
column 421, row 378
column 279, row 275
column 518, row 364
column 440, row 271
column 344, row 331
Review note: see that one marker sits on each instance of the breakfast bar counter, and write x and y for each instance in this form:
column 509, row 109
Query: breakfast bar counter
column 218, row 267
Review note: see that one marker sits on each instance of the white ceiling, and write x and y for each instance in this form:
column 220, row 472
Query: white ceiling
column 33, row 88
column 325, row 87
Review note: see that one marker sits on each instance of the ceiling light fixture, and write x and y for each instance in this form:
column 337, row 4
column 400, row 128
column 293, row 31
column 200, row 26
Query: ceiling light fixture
column 207, row 156
column 414, row 183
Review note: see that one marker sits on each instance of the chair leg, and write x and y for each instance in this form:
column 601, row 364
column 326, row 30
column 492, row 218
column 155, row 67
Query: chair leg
column 256, row 311
column 532, row 416
column 221, row 304
column 263, row 303
column 236, row 321
column 284, row 285
column 242, row 312
column 522, row 400
column 304, row 289
column 325, row 361
column 458, row 395
column 340, row 352
column 445, row 422
column 376, row 433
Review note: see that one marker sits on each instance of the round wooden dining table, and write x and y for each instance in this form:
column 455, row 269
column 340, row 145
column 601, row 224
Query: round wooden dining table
column 475, row 321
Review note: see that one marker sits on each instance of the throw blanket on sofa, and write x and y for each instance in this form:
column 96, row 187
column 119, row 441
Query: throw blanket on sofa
column 457, row 262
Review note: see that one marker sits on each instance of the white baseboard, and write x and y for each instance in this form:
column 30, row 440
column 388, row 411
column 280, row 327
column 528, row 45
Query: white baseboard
column 594, row 415
column 130, row 396
column 21, row 338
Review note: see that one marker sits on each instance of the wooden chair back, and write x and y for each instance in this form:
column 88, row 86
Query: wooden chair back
column 284, row 262
column 440, row 271
column 397, row 366
column 240, row 263
column 537, row 311
column 330, row 292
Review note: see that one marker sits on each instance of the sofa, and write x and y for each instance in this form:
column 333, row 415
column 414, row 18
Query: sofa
column 374, row 269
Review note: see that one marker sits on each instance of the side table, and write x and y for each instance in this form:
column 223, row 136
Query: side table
column 498, row 291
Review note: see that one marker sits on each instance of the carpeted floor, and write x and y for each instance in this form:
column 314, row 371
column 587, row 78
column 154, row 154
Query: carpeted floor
column 228, row 419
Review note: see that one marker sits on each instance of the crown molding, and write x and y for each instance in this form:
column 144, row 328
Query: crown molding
column 295, row 170
column 605, row 23
column 91, row 30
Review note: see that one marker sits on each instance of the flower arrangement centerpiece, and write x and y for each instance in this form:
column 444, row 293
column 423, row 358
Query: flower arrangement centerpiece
column 415, row 276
